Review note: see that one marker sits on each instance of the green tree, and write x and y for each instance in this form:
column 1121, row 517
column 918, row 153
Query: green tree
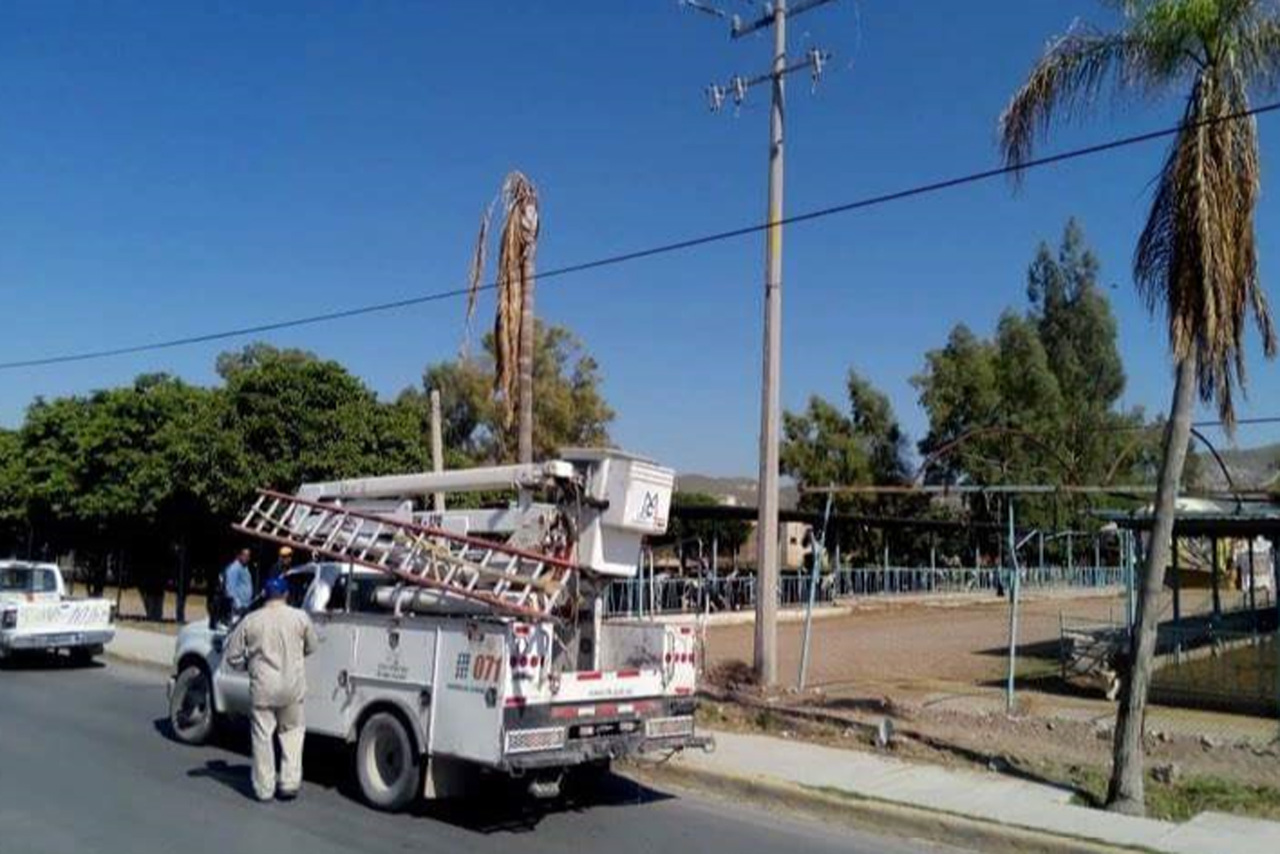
column 1078, row 330
column 298, row 417
column 858, row 444
column 959, row 391
column 1038, row 402
column 13, row 493
column 124, row 473
column 1197, row 255
column 569, row 406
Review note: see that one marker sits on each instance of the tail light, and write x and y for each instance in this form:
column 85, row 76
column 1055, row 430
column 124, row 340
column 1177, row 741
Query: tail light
column 9, row 619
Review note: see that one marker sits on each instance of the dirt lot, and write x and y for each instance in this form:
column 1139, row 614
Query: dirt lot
column 911, row 645
column 937, row 672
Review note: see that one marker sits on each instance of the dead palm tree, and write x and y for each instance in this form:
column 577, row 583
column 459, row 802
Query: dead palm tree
column 1196, row 256
column 513, row 326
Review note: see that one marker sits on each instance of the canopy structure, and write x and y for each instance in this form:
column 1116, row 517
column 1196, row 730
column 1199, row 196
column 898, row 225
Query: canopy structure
column 1217, row 521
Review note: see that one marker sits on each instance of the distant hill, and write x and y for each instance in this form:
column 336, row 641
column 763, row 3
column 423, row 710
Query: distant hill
column 1251, row 468
column 741, row 490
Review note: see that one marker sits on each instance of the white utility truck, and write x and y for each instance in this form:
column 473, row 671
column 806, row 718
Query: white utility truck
column 36, row 615
column 469, row 642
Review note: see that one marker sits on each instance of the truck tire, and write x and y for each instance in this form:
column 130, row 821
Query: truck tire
column 387, row 763
column 191, row 712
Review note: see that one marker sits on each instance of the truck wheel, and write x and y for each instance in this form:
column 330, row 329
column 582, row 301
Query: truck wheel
column 387, row 764
column 191, row 713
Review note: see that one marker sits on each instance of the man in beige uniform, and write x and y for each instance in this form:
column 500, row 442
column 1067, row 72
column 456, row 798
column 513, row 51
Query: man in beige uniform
column 272, row 642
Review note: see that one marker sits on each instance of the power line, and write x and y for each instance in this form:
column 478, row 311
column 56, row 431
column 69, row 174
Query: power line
column 650, row 252
column 1133, row 428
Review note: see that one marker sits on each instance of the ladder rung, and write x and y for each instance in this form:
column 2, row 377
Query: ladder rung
column 453, row 564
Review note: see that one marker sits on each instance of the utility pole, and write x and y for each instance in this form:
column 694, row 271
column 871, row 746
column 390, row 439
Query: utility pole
column 776, row 16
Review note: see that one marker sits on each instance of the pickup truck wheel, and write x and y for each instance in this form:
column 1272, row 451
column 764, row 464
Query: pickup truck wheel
column 387, row 765
column 191, row 713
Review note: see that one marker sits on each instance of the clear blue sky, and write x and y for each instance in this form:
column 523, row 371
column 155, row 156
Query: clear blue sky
column 172, row 169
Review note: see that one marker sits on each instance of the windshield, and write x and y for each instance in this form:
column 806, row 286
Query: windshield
column 27, row 579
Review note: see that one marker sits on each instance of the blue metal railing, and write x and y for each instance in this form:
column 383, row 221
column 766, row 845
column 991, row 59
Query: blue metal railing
column 693, row 594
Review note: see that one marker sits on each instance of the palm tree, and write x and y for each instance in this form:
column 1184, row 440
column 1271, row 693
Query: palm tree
column 1196, row 257
column 513, row 327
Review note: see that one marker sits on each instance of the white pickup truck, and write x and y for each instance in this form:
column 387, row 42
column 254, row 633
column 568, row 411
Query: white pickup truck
column 36, row 615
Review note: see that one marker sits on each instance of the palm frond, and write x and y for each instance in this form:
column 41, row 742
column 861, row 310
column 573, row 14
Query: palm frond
column 476, row 274
column 1067, row 80
column 1257, row 48
column 1197, row 256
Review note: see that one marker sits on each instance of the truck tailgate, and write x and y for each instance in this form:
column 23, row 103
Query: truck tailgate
column 70, row 615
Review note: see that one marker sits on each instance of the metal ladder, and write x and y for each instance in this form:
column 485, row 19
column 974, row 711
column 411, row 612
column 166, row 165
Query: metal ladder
column 513, row 580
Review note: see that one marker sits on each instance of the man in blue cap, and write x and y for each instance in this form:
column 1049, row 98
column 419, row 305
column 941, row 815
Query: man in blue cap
column 272, row 643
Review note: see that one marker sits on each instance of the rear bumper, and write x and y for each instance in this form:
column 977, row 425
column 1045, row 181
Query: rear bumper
column 559, row 737
column 49, row 641
column 598, row 749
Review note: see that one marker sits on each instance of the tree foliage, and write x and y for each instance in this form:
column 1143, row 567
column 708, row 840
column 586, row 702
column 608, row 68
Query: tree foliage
column 150, row 475
column 569, row 405
column 859, row 443
column 1038, row 402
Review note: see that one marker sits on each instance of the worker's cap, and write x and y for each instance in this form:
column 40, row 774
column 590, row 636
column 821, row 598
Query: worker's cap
column 285, row 551
column 276, row 588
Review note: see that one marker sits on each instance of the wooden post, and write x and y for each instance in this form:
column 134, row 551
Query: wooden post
column 437, row 448
column 1217, row 571
column 1177, row 599
column 1253, row 592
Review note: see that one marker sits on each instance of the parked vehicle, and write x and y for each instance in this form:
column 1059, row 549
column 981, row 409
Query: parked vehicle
column 36, row 615
column 459, row 644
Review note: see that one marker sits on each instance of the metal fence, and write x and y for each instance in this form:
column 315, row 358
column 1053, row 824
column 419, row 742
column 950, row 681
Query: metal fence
column 1224, row 670
column 1226, row 661
column 668, row 594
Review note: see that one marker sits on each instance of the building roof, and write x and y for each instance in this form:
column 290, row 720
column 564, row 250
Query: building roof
column 1203, row 518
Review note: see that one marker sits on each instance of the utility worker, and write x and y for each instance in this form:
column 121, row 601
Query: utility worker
column 272, row 643
column 283, row 564
column 237, row 583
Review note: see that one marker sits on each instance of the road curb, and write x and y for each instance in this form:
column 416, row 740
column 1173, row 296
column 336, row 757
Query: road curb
column 869, row 814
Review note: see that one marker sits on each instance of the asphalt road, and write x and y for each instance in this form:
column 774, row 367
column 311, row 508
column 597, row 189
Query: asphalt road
column 85, row 767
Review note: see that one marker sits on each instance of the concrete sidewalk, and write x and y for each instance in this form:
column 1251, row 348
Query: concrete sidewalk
column 142, row 647
column 1001, row 800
